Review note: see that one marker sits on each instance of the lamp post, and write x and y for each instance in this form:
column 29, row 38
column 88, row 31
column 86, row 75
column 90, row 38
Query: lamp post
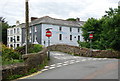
column 48, row 34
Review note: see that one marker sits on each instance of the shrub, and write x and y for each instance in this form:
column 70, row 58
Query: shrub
column 32, row 48
column 9, row 54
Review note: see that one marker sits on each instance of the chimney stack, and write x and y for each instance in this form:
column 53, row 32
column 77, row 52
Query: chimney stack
column 17, row 23
column 77, row 19
column 33, row 18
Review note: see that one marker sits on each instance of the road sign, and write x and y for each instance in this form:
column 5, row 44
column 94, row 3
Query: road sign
column 48, row 33
column 91, row 36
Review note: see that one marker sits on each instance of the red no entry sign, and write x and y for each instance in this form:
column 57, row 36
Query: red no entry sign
column 48, row 33
column 91, row 36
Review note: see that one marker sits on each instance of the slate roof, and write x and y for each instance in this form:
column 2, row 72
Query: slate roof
column 49, row 20
column 53, row 21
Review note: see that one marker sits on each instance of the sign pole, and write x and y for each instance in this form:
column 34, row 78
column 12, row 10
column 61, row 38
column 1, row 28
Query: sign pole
column 90, row 47
column 48, row 48
column 91, row 37
column 48, row 34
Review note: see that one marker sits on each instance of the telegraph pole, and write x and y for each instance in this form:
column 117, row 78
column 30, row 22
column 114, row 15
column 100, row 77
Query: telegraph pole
column 27, row 24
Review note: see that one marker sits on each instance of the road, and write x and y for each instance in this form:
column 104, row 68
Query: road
column 65, row 66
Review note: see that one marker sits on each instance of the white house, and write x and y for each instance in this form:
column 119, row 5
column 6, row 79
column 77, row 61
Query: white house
column 14, row 36
column 63, row 32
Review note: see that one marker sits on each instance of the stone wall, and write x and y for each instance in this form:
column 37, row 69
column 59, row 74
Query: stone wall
column 30, row 61
column 83, row 51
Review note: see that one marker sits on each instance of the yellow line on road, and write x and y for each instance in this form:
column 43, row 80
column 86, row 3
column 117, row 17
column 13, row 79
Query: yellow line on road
column 30, row 75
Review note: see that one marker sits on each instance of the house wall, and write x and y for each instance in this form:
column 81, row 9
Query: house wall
column 14, row 35
column 65, row 35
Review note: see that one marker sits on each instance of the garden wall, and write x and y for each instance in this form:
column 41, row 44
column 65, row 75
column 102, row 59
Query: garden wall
column 30, row 61
column 83, row 51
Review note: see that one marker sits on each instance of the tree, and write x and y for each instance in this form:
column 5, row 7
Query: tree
column 106, row 30
column 4, row 30
column 111, row 28
column 71, row 19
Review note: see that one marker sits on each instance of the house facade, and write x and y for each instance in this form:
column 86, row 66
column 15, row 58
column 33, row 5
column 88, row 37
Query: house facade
column 63, row 32
column 14, row 36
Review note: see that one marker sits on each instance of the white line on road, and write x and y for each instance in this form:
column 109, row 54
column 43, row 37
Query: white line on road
column 99, row 58
column 72, row 62
column 59, row 65
column 94, row 58
column 89, row 58
column 83, row 60
column 46, row 66
column 104, row 58
column 66, row 62
column 51, row 67
column 44, row 69
column 77, row 61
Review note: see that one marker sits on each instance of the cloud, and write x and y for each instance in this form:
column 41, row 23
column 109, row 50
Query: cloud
column 14, row 10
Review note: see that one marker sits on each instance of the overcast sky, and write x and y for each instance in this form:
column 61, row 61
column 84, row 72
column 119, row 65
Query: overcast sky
column 14, row 10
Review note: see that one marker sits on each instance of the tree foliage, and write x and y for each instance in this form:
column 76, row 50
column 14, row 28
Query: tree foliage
column 71, row 19
column 106, row 30
column 4, row 26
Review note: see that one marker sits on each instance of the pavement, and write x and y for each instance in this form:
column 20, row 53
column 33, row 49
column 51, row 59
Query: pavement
column 66, row 66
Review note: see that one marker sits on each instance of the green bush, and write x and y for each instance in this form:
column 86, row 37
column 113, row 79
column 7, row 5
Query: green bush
column 32, row 48
column 9, row 54
column 84, row 44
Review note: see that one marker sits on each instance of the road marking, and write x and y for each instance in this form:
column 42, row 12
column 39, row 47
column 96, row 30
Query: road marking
column 83, row 60
column 71, row 62
column 66, row 62
column 51, row 67
column 77, row 61
column 44, row 70
column 89, row 58
column 59, row 65
column 104, row 58
column 46, row 66
column 99, row 58
column 30, row 75
column 57, row 57
column 94, row 58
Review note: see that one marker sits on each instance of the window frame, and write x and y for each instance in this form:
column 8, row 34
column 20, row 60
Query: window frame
column 70, row 37
column 70, row 29
column 60, row 28
column 60, row 37
column 78, row 37
column 18, row 37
